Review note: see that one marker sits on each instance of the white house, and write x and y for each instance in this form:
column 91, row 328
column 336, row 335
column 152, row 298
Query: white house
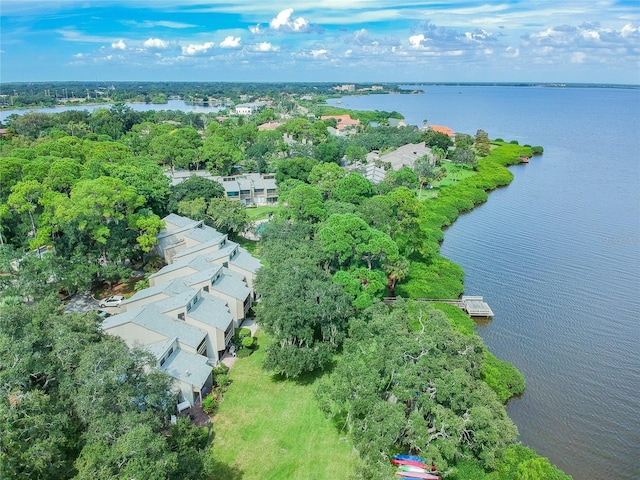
column 249, row 108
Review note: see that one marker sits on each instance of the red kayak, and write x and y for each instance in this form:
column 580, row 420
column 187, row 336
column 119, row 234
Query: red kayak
column 413, row 463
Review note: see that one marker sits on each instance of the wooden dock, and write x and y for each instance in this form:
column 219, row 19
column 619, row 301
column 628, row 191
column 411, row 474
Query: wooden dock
column 474, row 306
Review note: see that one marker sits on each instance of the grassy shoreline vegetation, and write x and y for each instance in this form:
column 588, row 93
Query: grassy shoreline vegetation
column 339, row 382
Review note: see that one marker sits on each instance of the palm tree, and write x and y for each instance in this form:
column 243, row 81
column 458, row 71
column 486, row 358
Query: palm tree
column 396, row 271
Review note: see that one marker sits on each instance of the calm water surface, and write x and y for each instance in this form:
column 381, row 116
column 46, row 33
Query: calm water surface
column 138, row 107
column 557, row 256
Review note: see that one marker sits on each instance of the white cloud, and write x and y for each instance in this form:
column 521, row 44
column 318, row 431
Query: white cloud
column 511, row 52
column 322, row 53
column 155, row 43
column 416, row 40
column 578, row 57
column 230, row 42
column 197, row 49
column 283, row 22
column 629, row 31
column 119, row 45
column 599, row 41
column 479, row 36
column 265, row 47
column 155, row 24
column 256, row 29
column 75, row 36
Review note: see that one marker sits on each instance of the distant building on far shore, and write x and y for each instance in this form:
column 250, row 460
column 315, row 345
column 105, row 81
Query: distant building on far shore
column 249, row 108
column 349, row 87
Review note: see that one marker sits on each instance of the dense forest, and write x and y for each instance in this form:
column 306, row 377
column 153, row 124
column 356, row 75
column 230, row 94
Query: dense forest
column 40, row 94
column 82, row 196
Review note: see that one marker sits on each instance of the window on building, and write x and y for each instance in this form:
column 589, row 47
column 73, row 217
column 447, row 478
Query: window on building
column 181, row 316
column 202, row 348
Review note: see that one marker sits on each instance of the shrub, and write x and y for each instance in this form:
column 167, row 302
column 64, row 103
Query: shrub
column 210, row 403
column 221, row 369
column 243, row 332
column 248, row 342
column 223, row 380
column 141, row 284
column 154, row 263
column 240, row 334
column 502, row 376
column 244, row 353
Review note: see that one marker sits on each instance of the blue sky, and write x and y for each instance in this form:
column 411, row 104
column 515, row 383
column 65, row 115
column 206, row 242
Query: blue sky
column 590, row 41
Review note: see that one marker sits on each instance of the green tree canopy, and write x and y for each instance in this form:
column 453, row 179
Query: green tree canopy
column 465, row 156
column 408, row 382
column 304, row 312
column 297, row 168
column 353, row 188
column 304, row 203
column 192, row 188
column 326, row 176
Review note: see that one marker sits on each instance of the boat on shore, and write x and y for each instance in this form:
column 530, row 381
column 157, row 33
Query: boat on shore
column 412, row 463
column 411, row 468
column 415, row 458
column 414, row 475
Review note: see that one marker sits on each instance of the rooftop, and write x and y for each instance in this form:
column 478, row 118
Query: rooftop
column 188, row 367
column 443, row 129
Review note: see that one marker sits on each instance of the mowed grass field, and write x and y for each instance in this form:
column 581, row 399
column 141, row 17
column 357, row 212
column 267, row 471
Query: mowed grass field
column 267, row 428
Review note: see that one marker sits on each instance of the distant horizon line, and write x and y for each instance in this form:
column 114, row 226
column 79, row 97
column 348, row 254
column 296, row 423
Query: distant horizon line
column 247, row 82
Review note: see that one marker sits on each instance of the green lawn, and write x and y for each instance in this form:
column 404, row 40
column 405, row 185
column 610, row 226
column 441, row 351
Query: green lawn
column 273, row 429
column 250, row 245
column 455, row 173
column 259, row 213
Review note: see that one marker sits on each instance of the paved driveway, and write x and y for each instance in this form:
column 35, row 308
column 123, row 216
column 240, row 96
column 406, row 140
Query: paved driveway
column 84, row 302
column 81, row 303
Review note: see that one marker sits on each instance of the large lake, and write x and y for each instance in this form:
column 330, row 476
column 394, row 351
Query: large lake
column 557, row 256
column 138, row 107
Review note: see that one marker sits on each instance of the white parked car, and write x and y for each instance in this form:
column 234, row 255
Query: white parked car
column 112, row 301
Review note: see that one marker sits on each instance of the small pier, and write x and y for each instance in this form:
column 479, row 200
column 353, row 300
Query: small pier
column 474, row 306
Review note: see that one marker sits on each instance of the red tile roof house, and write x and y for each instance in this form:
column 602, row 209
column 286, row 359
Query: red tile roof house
column 443, row 129
column 342, row 121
